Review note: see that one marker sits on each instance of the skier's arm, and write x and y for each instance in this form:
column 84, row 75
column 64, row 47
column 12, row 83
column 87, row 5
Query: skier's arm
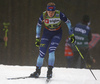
column 67, row 21
column 38, row 26
column 38, row 30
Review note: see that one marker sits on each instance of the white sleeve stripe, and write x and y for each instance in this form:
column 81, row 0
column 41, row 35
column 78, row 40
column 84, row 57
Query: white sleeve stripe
column 39, row 24
column 40, row 19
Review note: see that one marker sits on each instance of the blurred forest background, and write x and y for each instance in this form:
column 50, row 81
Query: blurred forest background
column 23, row 16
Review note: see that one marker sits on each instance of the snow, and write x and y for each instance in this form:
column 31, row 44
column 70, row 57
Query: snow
column 61, row 75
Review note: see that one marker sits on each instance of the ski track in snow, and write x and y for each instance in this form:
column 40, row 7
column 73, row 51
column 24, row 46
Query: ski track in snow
column 61, row 75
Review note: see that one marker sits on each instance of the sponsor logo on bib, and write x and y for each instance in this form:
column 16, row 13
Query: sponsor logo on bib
column 52, row 21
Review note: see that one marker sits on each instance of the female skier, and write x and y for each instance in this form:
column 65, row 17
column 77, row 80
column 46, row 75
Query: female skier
column 51, row 37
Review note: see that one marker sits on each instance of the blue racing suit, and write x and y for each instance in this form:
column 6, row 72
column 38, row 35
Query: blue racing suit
column 51, row 36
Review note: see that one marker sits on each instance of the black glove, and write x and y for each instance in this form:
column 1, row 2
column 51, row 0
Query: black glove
column 72, row 38
column 37, row 43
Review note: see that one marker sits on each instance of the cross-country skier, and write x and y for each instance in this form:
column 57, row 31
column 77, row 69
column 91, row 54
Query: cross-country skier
column 51, row 37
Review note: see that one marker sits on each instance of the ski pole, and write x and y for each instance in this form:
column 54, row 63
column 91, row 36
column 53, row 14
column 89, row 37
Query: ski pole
column 85, row 61
column 6, row 30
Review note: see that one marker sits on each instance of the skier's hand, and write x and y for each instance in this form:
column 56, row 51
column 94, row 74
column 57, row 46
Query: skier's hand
column 72, row 38
column 37, row 43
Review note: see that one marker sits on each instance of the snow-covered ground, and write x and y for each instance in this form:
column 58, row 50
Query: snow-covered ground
column 61, row 75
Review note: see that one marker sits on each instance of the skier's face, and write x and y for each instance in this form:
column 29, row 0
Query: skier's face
column 50, row 13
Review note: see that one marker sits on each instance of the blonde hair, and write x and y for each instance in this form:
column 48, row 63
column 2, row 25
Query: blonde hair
column 49, row 4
